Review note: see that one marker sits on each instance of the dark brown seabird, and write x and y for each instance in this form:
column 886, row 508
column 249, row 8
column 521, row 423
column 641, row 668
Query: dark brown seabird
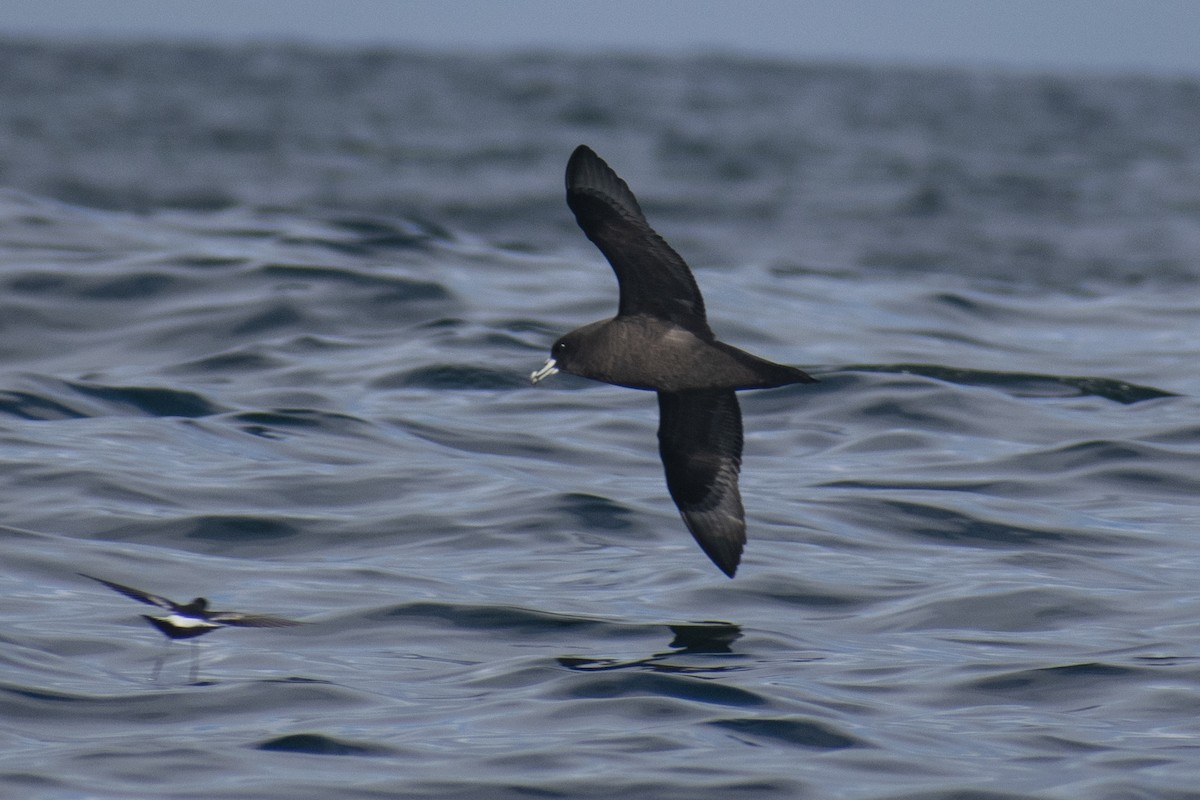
column 660, row 340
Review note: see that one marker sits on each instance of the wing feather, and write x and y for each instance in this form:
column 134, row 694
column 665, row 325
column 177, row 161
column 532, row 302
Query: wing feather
column 654, row 280
column 700, row 441
column 135, row 594
column 237, row 619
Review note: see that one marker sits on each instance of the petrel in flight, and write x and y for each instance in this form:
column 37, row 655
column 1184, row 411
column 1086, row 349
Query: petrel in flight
column 660, row 340
column 188, row 620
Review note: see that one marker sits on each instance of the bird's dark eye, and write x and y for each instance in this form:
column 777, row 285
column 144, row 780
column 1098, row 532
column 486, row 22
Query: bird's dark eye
column 559, row 348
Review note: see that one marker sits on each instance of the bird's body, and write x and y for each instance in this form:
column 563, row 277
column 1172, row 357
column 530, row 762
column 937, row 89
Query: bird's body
column 660, row 341
column 643, row 352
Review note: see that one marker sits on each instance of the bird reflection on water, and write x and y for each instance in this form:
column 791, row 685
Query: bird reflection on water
column 697, row 639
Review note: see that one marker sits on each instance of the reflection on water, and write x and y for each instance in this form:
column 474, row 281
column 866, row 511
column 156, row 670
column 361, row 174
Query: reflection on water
column 708, row 639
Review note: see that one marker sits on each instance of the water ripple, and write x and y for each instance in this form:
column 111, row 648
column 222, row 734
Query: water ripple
column 267, row 314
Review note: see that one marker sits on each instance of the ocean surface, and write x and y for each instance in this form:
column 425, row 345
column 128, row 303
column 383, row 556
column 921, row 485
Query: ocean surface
column 267, row 316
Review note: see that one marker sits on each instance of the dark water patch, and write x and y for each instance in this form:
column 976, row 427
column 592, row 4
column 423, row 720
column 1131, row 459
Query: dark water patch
column 1026, row 384
column 32, row 783
column 453, row 376
column 611, row 685
column 519, row 334
column 942, row 525
column 1022, row 610
column 204, row 261
column 1056, row 686
column 494, row 619
column 463, row 438
column 1091, row 455
column 536, row 327
column 902, row 402
column 228, row 533
column 279, row 315
column 806, row 594
column 971, row 306
column 899, row 259
column 37, row 283
column 98, row 195
column 344, row 248
column 941, row 338
column 696, row 783
column 385, row 288
column 444, row 323
column 384, row 234
column 284, row 422
column 1059, row 744
column 1134, row 468
column 1083, row 469
column 239, row 529
column 967, row 487
column 26, row 405
column 972, row 794
column 810, row 734
column 317, row 744
column 38, row 695
column 150, row 705
column 150, row 400
column 295, row 679
column 1145, row 481
column 247, row 360
column 1174, row 435
column 202, row 199
column 312, row 344
column 595, row 513
column 139, row 286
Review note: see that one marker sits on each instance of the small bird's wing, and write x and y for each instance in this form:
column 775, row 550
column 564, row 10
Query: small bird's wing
column 136, row 594
column 700, row 441
column 653, row 279
column 241, row 620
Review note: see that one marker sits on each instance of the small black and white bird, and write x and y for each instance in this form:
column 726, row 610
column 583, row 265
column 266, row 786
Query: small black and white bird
column 660, row 340
column 189, row 620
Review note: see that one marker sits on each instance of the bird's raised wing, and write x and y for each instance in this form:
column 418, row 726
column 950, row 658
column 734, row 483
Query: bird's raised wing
column 653, row 279
column 136, row 594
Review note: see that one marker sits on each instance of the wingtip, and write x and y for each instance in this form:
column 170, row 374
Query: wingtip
column 582, row 152
column 593, row 185
column 582, row 158
column 726, row 553
column 727, row 560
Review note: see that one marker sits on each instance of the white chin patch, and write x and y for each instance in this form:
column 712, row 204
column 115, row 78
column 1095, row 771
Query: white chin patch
column 546, row 371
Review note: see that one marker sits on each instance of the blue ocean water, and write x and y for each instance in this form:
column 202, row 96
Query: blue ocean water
column 267, row 315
